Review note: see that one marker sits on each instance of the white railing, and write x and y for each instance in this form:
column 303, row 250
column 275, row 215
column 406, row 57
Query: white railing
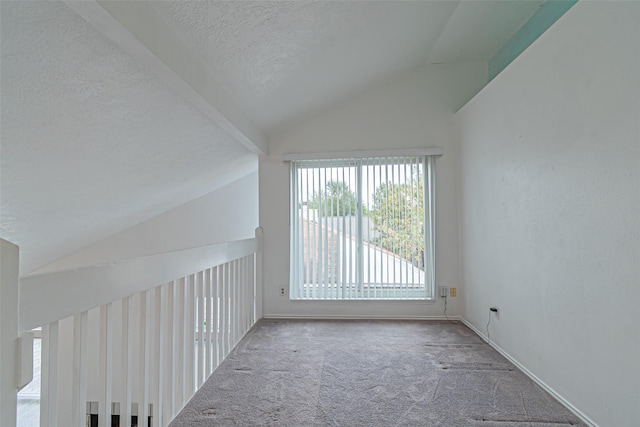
column 138, row 336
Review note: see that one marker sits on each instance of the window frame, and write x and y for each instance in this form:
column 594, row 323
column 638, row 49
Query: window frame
column 359, row 160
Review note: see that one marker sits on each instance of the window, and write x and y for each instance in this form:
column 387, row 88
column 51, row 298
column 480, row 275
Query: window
column 362, row 228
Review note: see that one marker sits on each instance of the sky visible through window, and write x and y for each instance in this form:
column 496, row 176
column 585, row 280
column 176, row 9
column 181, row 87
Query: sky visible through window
column 311, row 179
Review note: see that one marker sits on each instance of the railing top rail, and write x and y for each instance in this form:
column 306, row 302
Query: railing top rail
column 47, row 297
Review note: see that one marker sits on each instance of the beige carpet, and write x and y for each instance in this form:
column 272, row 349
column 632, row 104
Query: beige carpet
column 369, row 373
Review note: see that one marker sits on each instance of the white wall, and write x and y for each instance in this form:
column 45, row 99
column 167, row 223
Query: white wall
column 226, row 214
column 414, row 110
column 9, row 293
column 550, row 209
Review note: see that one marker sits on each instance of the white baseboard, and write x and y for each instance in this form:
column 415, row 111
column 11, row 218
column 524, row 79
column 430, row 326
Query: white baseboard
column 355, row 317
column 531, row 375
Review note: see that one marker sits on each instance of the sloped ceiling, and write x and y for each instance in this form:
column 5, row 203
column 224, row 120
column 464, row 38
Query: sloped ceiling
column 285, row 60
column 115, row 112
column 92, row 142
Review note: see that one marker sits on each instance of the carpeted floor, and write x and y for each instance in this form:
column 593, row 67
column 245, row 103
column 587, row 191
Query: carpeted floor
column 369, row 373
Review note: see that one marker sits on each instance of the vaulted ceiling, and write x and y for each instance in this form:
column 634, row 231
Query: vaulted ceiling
column 284, row 60
column 115, row 112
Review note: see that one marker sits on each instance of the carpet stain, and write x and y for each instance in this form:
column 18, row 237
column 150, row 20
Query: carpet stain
column 475, row 367
column 451, row 345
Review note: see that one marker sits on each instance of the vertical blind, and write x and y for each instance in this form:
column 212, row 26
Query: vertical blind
column 362, row 228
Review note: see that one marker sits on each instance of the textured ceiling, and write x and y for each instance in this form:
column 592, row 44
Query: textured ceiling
column 112, row 120
column 92, row 143
column 285, row 60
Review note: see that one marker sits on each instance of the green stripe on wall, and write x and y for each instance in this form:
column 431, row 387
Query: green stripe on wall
column 548, row 13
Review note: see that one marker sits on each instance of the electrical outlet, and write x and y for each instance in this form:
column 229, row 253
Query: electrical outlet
column 495, row 311
column 443, row 291
column 453, row 292
column 283, row 291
